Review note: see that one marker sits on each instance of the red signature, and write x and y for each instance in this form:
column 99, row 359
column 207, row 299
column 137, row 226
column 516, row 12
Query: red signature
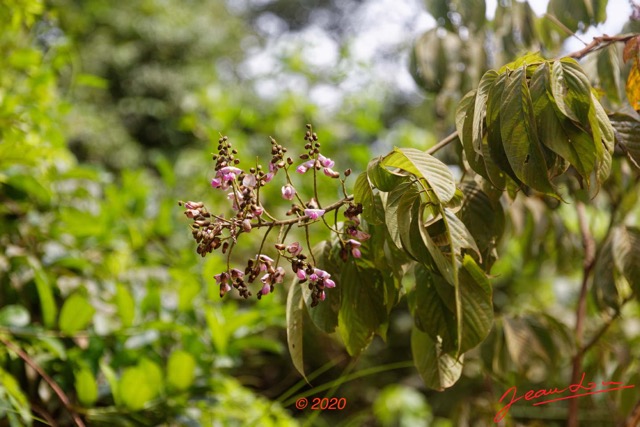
column 589, row 389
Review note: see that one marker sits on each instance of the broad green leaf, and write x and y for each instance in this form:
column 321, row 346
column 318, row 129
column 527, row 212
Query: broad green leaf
column 295, row 326
column 382, row 178
column 464, row 127
column 571, row 90
column 76, row 314
column 609, row 72
column 483, row 218
column 495, row 157
column 125, row 305
column 363, row 194
column 603, row 137
column 556, row 131
column 605, row 290
column 477, row 306
column 14, row 315
column 437, row 175
column 86, row 387
column 479, row 110
column 433, row 308
column 519, row 134
column 438, row 370
column 325, row 315
column 362, row 312
column 627, row 133
column 181, row 369
column 393, row 215
column 445, row 265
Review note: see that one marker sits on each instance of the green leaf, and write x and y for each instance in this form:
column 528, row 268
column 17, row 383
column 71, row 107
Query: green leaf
column 125, row 305
column 603, row 137
column 479, row 111
column 519, row 134
column 181, row 369
column 495, row 157
column 45, row 294
column 477, row 306
column 483, row 217
column 438, row 370
column 14, row 315
column 609, row 72
column 436, row 174
column 404, row 193
column 433, row 308
column 571, row 90
column 112, row 379
column 626, row 254
column 295, row 326
column 382, row 178
column 76, row 314
column 363, row 194
column 557, row 132
column 605, row 288
column 86, row 387
column 627, row 133
column 464, row 127
column 135, row 389
column 11, row 392
column 325, row 315
column 362, row 312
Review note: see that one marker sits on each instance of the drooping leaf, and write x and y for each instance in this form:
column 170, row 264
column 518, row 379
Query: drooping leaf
column 45, row 294
column 483, row 217
column 295, row 326
column 477, row 306
column 571, row 90
column 557, row 132
column 438, row 370
column 609, row 72
column 464, row 127
column 479, row 111
column 627, row 133
column 519, row 134
column 495, row 157
column 605, row 290
column 325, row 315
column 603, row 137
column 393, row 215
column 433, row 308
column 626, row 254
column 382, row 178
column 632, row 87
column 437, row 175
column 362, row 311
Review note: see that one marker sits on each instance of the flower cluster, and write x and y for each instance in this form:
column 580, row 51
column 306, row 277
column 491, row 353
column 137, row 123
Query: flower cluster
column 242, row 188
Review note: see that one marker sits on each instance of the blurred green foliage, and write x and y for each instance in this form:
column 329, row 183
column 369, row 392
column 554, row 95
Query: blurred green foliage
column 107, row 115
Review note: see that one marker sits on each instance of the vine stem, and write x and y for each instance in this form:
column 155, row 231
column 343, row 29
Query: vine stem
column 589, row 260
column 599, row 43
column 54, row 386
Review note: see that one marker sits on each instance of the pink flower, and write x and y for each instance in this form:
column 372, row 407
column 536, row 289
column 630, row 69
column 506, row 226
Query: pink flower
column 230, row 172
column 331, row 173
column 192, row 213
column 258, row 210
column 328, row 283
column 249, row 180
column 224, row 288
column 301, row 169
column 216, row 182
column 235, row 273
column 268, row 177
column 356, row 252
column 288, row 192
column 322, row 296
column 265, row 289
column 360, row 235
column 325, row 161
column 301, row 274
column 294, row 249
column 314, row 213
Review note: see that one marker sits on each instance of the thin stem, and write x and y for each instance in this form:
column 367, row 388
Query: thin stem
column 443, row 143
column 296, row 220
column 603, row 329
column 589, row 257
column 599, row 43
column 306, row 232
column 54, row 386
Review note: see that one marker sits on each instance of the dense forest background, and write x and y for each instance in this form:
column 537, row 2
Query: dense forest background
column 109, row 114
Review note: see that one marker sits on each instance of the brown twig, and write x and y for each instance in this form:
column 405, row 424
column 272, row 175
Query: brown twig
column 589, row 260
column 634, row 417
column 599, row 43
column 54, row 386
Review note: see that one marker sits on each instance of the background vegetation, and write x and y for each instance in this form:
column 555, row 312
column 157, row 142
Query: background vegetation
column 108, row 116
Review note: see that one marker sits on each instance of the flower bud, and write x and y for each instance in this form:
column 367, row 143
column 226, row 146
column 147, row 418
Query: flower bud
column 288, row 192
